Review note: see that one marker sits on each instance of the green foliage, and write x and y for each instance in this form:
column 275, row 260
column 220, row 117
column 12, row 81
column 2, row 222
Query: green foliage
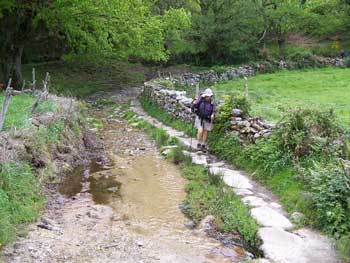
column 207, row 195
column 224, row 113
column 218, row 34
column 20, row 198
column 330, row 186
column 343, row 246
column 300, row 164
column 176, row 155
column 307, row 131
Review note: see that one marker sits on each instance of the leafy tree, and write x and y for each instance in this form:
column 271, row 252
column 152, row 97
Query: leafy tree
column 225, row 30
column 122, row 28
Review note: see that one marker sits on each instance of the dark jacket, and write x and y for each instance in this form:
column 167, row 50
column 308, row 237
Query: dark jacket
column 204, row 109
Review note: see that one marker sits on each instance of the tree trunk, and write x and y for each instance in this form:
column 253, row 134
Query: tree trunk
column 282, row 45
column 17, row 74
column 7, row 68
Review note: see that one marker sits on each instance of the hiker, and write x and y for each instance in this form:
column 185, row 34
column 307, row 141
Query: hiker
column 204, row 108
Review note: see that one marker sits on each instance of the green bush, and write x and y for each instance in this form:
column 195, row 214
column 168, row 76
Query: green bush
column 343, row 246
column 304, row 132
column 224, row 112
column 297, row 54
column 330, row 187
column 326, row 51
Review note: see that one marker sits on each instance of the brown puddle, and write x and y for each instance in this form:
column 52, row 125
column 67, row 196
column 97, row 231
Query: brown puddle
column 102, row 188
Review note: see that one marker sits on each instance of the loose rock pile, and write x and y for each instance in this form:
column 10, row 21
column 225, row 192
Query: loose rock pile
column 250, row 128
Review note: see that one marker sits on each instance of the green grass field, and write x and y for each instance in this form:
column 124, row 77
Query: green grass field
column 270, row 93
column 18, row 111
column 18, row 114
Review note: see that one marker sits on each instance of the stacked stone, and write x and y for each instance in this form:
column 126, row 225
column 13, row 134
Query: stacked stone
column 249, row 128
column 173, row 102
column 211, row 76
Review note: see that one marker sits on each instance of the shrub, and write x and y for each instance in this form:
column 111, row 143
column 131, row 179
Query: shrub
column 343, row 246
column 330, row 187
column 297, row 54
column 224, row 114
column 307, row 131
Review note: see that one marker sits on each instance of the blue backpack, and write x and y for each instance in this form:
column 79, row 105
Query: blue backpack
column 204, row 109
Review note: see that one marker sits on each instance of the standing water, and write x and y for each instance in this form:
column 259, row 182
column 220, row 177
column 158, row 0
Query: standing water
column 146, row 191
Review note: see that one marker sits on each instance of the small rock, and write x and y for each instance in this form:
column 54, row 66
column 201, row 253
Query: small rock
column 114, row 189
column 206, row 223
column 92, row 215
column 297, row 217
column 190, row 224
column 139, row 243
column 48, row 227
column 237, row 112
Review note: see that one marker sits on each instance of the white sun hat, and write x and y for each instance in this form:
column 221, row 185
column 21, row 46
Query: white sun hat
column 207, row 93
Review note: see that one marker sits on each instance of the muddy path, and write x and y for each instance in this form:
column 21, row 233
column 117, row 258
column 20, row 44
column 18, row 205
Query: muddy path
column 124, row 210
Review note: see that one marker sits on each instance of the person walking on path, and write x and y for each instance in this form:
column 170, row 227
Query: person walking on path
column 204, row 108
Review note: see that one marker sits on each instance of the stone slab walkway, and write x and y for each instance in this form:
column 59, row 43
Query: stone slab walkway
column 281, row 243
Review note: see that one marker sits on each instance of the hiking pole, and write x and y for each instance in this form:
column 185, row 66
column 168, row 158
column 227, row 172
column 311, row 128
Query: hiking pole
column 192, row 134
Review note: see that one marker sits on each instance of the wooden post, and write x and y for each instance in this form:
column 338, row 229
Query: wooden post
column 197, row 91
column 23, row 85
column 246, row 90
column 5, row 104
column 43, row 95
column 33, row 81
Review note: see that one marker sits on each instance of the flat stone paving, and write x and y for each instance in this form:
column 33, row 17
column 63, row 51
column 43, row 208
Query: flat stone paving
column 280, row 243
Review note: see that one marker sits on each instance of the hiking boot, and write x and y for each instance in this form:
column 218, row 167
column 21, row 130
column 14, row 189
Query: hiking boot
column 204, row 148
column 199, row 146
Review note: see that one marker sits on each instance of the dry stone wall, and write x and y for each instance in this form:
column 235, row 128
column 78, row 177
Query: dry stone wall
column 212, row 76
column 178, row 106
column 173, row 102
